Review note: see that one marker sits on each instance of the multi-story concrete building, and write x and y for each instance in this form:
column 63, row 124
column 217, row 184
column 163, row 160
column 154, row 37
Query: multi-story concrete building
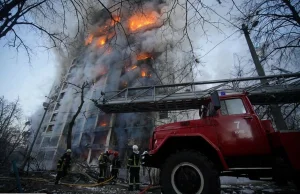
column 109, row 64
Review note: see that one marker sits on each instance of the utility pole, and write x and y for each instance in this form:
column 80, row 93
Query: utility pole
column 45, row 105
column 275, row 109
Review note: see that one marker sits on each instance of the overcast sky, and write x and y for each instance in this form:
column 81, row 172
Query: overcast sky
column 32, row 81
column 28, row 81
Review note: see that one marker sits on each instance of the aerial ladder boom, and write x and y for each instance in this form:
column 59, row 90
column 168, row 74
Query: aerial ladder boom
column 280, row 89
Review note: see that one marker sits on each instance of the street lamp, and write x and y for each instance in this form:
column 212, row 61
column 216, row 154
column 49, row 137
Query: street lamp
column 275, row 109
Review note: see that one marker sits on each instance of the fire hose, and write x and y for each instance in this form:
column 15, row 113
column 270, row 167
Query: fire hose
column 44, row 180
column 88, row 185
column 143, row 191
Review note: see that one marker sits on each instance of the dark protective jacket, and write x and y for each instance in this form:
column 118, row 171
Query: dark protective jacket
column 116, row 162
column 64, row 162
column 103, row 159
column 134, row 160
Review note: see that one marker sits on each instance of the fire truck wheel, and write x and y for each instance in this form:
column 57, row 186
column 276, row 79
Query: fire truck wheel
column 189, row 172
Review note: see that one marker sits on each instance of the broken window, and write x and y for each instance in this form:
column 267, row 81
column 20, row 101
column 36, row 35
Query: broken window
column 85, row 139
column 232, row 107
column 65, row 86
column 57, row 128
column 54, row 117
column 100, row 139
column 57, row 106
column 78, row 125
column 50, row 128
column 61, row 96
column 76, row 138
column 90, row 123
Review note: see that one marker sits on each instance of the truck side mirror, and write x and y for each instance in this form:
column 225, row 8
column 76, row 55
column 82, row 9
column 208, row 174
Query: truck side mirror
column 215, row 100
column 211, row 110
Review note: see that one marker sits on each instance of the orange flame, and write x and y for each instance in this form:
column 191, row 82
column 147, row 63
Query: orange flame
column 89, row 39
column 132, row 68
column 143, row 56
column 143, row 74
column 141, row 20
column 115, row 20
column 103, row 124
column 101, row 41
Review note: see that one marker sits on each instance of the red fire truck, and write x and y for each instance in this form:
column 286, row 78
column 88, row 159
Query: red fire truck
column 228, row 139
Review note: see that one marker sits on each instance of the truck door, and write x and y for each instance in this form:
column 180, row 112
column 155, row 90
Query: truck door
column 239, row 131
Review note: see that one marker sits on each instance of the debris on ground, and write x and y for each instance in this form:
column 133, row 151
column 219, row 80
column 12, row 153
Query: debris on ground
column 44, row 183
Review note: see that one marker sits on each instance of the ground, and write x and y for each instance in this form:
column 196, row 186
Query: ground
column 43, row 183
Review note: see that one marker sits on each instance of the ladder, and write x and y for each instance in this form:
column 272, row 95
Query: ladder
column 280, row 89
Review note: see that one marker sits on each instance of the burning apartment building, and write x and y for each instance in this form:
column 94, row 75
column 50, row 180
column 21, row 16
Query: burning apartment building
column 122, row 49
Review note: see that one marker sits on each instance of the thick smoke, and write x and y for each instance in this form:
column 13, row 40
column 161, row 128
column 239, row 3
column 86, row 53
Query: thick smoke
column 133, row 48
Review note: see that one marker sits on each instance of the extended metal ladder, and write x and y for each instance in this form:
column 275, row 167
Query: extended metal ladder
column 281, row 89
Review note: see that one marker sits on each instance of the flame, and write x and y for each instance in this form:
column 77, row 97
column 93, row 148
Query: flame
column 103, row 124
column 101, row 41
column 143, row 56
column 141, row 20
column 132, row 68
column 143, row 74
column 115, row 20
column 89, row 39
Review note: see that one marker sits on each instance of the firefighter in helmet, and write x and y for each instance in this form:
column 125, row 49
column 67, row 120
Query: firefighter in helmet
column 63, row 165
column 103, row 163
column 134, row 168
column 115, row 163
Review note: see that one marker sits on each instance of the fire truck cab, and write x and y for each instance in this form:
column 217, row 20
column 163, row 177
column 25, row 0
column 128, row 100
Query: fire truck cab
column 228, row 139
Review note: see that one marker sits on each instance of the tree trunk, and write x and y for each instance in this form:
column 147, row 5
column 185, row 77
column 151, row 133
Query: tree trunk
column 71, row 124
column 293, row 10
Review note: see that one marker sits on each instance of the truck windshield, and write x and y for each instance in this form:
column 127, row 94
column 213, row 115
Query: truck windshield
column 232, row 107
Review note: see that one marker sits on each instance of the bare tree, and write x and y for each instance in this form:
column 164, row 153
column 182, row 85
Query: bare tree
column 275, row 27
column 12, row 134
column 80, row 89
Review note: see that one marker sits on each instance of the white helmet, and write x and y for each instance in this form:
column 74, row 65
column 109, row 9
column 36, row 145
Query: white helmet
column 69, row 150
column 135, row 148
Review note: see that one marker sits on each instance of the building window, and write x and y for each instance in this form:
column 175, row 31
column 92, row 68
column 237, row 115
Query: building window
column 54, row 117
column 50, row 128
column 46, row 142
column 49, row 155
column 57, row 106
column 61, row 96
column 65, row 86
column 232, row 107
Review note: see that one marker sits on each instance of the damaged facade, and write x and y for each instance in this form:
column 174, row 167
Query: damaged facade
column 125, row 50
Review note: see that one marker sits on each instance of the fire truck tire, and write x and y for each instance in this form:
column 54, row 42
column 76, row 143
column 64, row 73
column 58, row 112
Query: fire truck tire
column 189, row 172
column 280, row 172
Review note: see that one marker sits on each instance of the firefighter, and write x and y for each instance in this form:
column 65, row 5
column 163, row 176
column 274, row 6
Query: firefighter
column 103, row 162
column 134, row 168
column 63, row 165
column 115, row 167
